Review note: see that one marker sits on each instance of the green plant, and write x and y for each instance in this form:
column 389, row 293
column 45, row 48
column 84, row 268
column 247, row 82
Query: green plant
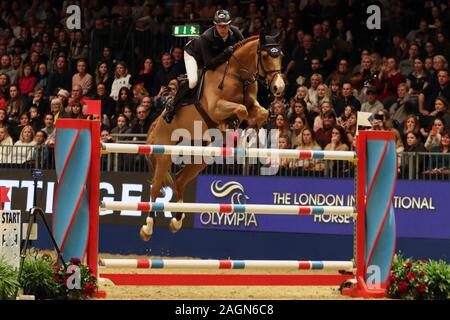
column 38, row 277
column 419, row 279
column 8, row 281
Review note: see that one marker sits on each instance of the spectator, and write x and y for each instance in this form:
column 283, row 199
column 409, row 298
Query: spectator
column 400, row 110
column 27, row 81
column 413, row 143
column 23, row 150
column 441, row 164
column 42, row 78
column 78, row 51
column 297, row 128
column 41, row 151
column 146, row 76
column 323, row 135
column 316, row 79
column 339, row 140
column 76, row 111
column 282, row 125
column 347, row 99
column 359, row 90
column 388, row 80
column 342, row 72
column 428, row 95
column 39, row 101
column 131, row 116
column 103, row 77
column 125, row 99
column 57, row 109
column 82, row 78
column 418, row 79
column 302, row 94
column 106, row 136
column 5, row 146
column 7, row 68
column 35, row 119
column 59, row 79
column 15, row 105
column 308, row 142
column 316, row 67
column 4, row 87
column 107, row 103
column 166, row 72
column 49, row 129
column 143, row 124
column 441, row 110
column 298, row 109
column 121, row 79
column 407, row 66
column 373, row 104
column 3, row 119
column 123, row 125
column 435, row 134
column 323, row 94
column 411, row 124
column 318, row 120
column 367, row 70
column 76, row 97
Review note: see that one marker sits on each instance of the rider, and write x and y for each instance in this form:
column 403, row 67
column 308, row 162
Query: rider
column 210, row 50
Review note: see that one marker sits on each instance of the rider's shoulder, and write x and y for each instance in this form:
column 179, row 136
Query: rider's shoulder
column 208, row 34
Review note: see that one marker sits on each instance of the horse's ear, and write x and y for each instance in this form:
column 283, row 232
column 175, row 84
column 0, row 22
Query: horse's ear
column 262, row 37
column 277, row 37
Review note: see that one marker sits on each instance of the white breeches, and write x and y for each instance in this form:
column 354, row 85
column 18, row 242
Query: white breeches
column 191, row 69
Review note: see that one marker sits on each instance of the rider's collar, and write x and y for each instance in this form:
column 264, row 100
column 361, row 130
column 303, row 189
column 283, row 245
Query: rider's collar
column 230, row 34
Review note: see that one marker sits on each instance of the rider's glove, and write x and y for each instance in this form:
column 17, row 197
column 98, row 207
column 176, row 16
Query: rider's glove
column 228, row 51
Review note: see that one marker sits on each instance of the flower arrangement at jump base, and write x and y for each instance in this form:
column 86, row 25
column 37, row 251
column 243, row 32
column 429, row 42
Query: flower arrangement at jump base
column 421, row 279
column 76, row 281
column 43, row 278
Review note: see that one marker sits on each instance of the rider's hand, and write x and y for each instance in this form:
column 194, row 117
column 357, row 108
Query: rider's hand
column 228, row 51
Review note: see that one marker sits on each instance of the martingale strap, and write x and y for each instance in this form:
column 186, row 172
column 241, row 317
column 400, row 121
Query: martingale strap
column 209, row 122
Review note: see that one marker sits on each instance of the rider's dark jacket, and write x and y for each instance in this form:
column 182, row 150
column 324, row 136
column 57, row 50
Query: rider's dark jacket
column 208, row 49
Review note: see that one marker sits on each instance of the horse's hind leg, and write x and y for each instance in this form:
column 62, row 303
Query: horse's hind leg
column 161, row 176
column 183, row 177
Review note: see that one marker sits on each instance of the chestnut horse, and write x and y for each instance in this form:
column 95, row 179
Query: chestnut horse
column 228, row 92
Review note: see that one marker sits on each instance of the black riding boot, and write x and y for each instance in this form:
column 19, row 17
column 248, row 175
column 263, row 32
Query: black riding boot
column 173, row 105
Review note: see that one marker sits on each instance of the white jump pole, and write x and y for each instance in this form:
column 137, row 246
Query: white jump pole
column 225, row 152
column 227, row 264
column 227, row 208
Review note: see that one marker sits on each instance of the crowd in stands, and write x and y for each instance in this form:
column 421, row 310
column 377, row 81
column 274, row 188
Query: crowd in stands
column 333, row 66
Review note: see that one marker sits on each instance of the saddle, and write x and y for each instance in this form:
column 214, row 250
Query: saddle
column 194, row 97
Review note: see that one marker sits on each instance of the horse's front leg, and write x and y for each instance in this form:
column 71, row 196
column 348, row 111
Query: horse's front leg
column 226, row 109
column 258, row 113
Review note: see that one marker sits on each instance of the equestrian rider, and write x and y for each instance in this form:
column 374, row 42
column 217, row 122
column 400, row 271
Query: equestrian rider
column 210, row 50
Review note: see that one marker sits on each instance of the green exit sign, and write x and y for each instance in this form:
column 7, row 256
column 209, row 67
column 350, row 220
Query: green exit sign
column 186, row 31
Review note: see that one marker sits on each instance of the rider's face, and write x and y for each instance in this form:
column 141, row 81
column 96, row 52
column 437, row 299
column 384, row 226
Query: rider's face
column 222, row 29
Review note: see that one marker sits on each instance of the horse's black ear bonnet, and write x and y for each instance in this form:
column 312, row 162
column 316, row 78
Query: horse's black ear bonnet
column 272, row 46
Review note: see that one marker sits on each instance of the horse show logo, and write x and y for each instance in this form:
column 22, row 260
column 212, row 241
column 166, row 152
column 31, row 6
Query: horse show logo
column 235, row 192
column 233, row 188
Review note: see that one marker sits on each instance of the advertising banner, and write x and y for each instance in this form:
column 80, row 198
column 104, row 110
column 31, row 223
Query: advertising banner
column 421, row 207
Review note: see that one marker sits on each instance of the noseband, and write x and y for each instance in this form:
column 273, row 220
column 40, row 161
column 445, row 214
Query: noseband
column 274, row 51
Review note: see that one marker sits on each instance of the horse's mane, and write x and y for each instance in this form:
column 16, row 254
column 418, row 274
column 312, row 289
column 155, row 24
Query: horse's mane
column 245, row 41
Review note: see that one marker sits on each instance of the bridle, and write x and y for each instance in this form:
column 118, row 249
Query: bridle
column 273, row 50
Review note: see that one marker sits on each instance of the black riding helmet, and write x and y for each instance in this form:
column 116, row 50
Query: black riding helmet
column 222, row 17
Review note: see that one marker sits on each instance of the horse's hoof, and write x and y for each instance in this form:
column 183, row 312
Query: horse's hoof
column 175, row 224
column 144, row 235
column 147, row 230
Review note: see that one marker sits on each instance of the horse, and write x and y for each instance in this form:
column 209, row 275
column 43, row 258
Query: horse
column 228, row 91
